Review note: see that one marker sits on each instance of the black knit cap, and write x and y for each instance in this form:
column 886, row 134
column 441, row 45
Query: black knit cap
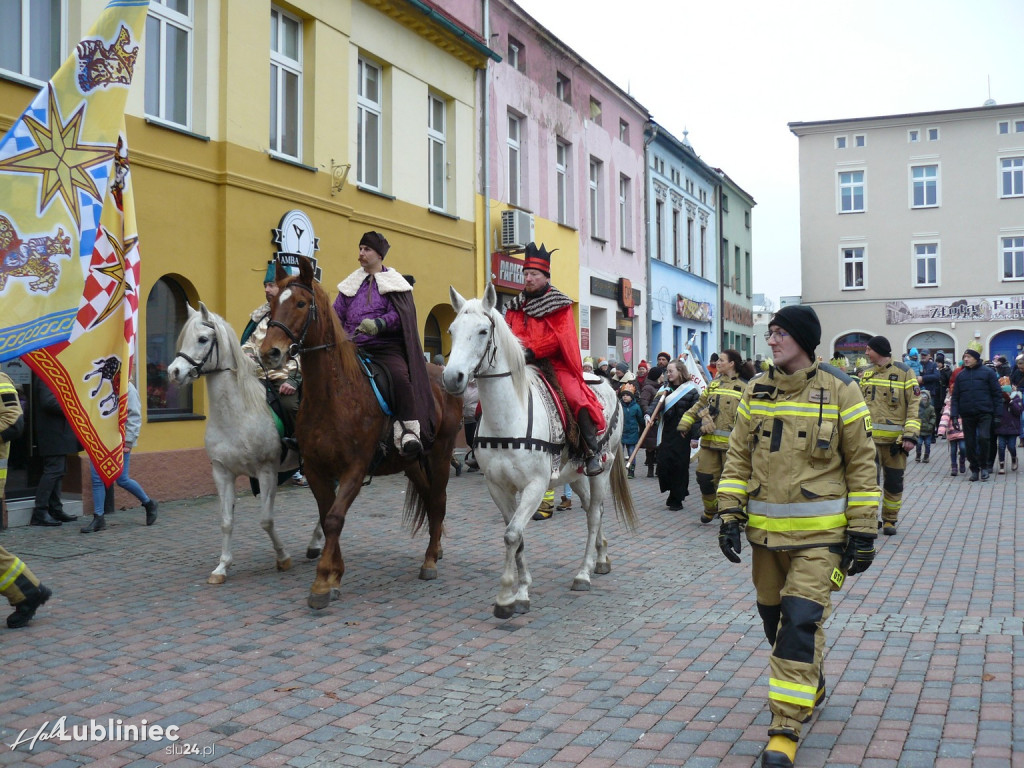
column 801, row 322
column 377, row 241
column 973, row 353
column 881, row 345
column 655, row 373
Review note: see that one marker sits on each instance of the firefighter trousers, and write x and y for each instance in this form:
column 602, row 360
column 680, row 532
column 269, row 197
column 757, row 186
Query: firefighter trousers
column 709, row 472
column 15, row 577
column 890, row 476
column 794, row 599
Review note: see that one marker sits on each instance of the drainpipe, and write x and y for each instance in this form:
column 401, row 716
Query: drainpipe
column 485, row 141
column 653, row 126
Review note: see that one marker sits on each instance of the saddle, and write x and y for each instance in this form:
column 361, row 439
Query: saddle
column 565, row 414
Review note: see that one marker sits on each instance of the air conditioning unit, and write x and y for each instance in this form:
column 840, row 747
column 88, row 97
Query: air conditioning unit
column 516, row 229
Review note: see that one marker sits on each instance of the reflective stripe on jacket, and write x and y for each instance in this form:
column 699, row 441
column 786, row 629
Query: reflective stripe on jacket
column 893, row 395
column 722, row 399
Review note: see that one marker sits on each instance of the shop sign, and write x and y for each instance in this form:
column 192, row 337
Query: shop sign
column 734, row 313
column 294, row 237
column 507, row 271
column 968, row 308
column 693, row 310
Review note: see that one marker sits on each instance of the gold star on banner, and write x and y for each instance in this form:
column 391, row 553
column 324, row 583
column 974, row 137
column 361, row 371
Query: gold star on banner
column 60, row 158
column 117, row 272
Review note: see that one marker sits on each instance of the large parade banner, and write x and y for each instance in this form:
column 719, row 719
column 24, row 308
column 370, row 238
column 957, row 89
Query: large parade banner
column 976, row 308
column 69, row 275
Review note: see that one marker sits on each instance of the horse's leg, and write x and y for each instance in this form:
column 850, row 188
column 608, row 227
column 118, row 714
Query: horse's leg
column 316, row 543
column 268, row 492
column 225, row 482
column 432, row 490
column 597, row 491
column 514, row 585
column 331, row 566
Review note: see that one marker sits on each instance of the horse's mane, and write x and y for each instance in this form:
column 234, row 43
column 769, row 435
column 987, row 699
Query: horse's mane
column 254, row 394
column 509, row 349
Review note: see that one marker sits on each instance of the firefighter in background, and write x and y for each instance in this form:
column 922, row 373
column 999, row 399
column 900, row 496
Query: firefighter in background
column 800, row 473
column 17, row 583
column 716, row 411
column 891, row 390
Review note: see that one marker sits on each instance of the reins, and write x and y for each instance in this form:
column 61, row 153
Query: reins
column 491, row 350
column 197, row 369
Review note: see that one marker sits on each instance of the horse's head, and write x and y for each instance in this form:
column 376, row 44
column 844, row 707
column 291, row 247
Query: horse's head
column 292, row 312
column 198, row 347
column 472, row 333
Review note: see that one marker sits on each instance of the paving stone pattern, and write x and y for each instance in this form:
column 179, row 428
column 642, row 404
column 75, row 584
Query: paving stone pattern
column 663, row 662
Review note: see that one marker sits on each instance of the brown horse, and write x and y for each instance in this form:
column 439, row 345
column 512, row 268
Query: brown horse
column 340, row 426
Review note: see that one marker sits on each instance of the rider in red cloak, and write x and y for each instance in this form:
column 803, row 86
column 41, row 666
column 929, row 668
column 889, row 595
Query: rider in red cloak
column 541, row 318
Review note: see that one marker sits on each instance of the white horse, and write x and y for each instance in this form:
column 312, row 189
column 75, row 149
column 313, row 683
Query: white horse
column 522, row 451
column 241, row 437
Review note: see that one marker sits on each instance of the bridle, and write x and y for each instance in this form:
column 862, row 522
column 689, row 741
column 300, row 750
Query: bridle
column 197, row 369
column 298, row 345
column 489, row 356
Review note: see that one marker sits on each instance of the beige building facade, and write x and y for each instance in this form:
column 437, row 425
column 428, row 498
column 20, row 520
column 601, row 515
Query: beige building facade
column 912, row 227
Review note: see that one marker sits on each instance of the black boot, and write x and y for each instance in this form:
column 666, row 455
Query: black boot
column 151, row 509
column 63, row 517
column 35, row 596
column 98, row 523
column 43, row 518
column 589, row 434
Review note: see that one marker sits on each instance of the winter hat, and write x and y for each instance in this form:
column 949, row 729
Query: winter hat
column 666, row 355
column 913, row 352
column 621, row 367
column 881, row 345
column 588, row 361
column 973, row 353
column 377, row 241
column 643, row 364
column 939, row 357
column 655, row 373
column 801, row 322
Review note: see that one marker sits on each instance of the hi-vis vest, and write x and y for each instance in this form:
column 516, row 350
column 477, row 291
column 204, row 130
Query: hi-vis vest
column 892, row 394
column 720, row 401
column 801, row 464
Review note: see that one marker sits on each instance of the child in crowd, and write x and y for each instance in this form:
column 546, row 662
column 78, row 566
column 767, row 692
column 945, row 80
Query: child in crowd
column 1008, row 424
column 926, row 413
column 632, row 422
column 953, row 431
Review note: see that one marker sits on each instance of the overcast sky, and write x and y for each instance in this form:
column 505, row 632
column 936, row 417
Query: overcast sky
column 736, row 72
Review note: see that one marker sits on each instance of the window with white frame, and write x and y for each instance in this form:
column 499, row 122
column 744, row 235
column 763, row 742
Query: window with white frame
column 925, row 186
column 562, row 185
column 840, row 142
column 285, row 83
column 913, row 135
column 515, row 54
column 853, row 268
column 689, row 245
column 1003, row 127
column 1018, row 126
column 659, row 227
column 1013, row 258
column 31, row 32
column 926, row 264
column 369, row 119
column 703, row 250
column 623, row 131
column 933, row 134
column 860, row 140
column 169, row 29
column 563, row 88
column 675, row 236
column 1012, row 170
column 851, row 191
column 625, row 213
column 437, row 151
column 596, row 169
column 515, row 129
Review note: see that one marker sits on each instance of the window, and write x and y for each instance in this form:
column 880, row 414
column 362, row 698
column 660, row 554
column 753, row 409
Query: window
column 563, row 88
column 1013, row 258
column 623, row 131
column 926, row 264
column 851, row 191
column 30, row 37
column 737, row 275
column 562, row 180
column 595, row 113
column 1013, row 176
column 166, row 313
column 369, row 110
column 674, row 175
column 750, row 273
column 933, row 134
column 913, row 136
column 840, row 142
column 659, row 225
column 860, row 140
column 1018, row 126
column 853, row 269
column 689, row 245
column 625, row 213
column 437, row 151
column 1004, row 126
column 169, row 61
column 595, row 198
column 515, row 127
column 925, row 182
column 285, row 83
column 725, row 262
column 746, row 219
column 659, row 165
column 725, row 203
column 675, row 236
column 515, row 54
column 703, row 250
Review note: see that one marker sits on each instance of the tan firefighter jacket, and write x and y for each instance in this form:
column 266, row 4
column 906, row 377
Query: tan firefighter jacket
column 716, row 410
column 800, row 471
column 892, row 394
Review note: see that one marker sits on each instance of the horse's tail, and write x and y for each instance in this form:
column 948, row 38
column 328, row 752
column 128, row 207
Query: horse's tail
column 621, row 495
column 415, row 511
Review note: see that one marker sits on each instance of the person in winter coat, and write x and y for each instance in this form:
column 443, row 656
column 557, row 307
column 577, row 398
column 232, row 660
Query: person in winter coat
column 633, row 422
column 954, row 434
column 1008, row 425
column 926, row 414
column 648, row 402
column 913, row 361
column 54, row 441
column 977, row 400
column 673, row 444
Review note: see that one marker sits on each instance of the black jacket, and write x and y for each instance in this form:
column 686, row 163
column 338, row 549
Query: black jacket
column 54, row 436
column 976, row 392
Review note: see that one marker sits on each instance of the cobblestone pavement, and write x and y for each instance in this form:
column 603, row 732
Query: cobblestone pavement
column 662, row 663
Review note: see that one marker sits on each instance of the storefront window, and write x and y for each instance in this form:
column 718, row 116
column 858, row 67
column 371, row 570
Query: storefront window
column 432, row 338
column 166, row 313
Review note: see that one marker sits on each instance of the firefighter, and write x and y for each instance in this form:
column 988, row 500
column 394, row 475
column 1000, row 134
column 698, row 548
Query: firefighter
column 716, row 411
column 800, row 474
column 892, row 392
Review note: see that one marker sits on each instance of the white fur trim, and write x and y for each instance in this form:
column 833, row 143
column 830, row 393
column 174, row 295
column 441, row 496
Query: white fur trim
column 388, row 281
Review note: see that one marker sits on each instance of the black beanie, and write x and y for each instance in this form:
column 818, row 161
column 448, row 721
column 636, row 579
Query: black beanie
column 377, row 241
column 655, row 373
column 881, row 345
column 973, row 353
column 801, row 322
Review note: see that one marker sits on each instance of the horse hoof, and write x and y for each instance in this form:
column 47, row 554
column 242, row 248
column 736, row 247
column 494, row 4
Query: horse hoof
column 216, row 578
column 318, row 601
column 580, row 585
column 522, row 606
column 284, row 565
column 335, row 593
column 312, row 554
column 428, row 574
column 504, row 611
column 603, row 568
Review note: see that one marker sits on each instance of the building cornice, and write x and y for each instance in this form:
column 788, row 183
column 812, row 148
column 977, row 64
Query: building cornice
column 817, row 126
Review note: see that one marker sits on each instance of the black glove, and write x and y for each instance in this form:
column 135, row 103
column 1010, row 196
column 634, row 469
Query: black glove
column 531, row 358
column 729, row 541
column 859, row 554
